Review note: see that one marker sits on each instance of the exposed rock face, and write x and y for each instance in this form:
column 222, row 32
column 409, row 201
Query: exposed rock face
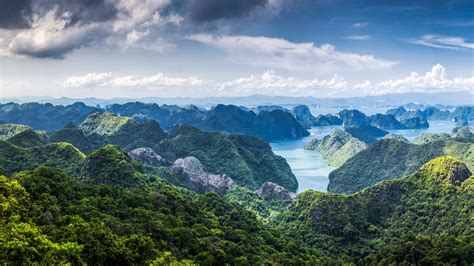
column 458, row 173
column 396, row 137
column 353, row 118
column 385, row 122
column 436, row 114
column 271, row 192
column 397, row 112
column 430, row 137
column 303, row 115
column 415, row 122
column 337, row 147
column 327, row 120
column 146, row 156
column 198, row 179
column 367, row 134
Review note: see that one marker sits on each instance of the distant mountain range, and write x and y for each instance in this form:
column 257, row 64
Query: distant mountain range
column 395, row 99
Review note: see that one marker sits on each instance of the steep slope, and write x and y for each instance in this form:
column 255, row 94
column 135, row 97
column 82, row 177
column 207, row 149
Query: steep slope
column 28, row 138
column 9, row 130
column 388, row 159
column 249, row 161
column 367, row 134
column 303, row 115
column 337, row 147
column 104, row 123
column 62, row 155
column 45, row 116
column 433, row 203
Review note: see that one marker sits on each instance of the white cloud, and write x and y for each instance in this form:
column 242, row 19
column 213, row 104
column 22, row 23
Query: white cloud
column 88, row 80
column 159, row 80
column 444, row 42
column 48, row 36
column 431, row 81
column 358, row 37
column 270, row 83
column 107, row 80
column 132, row 13
column 280, row 53
column 360, row 25
column 53, row 34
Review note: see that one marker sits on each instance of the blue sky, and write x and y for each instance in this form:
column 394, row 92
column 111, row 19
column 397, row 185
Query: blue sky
column 198, row 48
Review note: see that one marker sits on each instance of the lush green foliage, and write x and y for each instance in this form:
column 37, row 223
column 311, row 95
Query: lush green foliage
column 360, row 225
column 248, row 160
column 337, row 147
column 104, row 124
column 388, row 159
column 55, row 218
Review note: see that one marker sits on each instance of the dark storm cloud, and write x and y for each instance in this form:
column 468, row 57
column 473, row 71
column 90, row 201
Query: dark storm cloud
column 210, row 10
column 82, row 11
column 15, row 14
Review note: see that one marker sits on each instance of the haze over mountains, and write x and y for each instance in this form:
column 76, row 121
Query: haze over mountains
column 443, row 98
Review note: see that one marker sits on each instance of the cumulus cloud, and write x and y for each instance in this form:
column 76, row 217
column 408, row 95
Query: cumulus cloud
column 49, row 36
column 358, row 37
column 280, row 53
column 444, row 42
column 270, row 83
column 432, row 81
column 106, row 79
column 88, row 80
column 54, row 28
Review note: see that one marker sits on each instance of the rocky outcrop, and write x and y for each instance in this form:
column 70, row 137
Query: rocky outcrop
column 458, row 173
column 396, row 137
column 337, row 147
column 434, row 113
column 327, row 120
column 415, row 123
column 274, row 192
column 146, row 156
column 196, row 178
column 367, row 134
column 303, row 115
column 353, row 118
column 385, row 122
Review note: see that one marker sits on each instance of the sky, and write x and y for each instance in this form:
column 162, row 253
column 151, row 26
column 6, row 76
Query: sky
column 201, row 48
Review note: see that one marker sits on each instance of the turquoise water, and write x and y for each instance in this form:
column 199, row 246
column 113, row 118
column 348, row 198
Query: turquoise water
column 312, row 170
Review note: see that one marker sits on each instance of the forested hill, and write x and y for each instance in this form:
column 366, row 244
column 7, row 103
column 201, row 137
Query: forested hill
column 270, row 125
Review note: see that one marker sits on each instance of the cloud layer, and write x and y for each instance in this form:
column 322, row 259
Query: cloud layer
column 444, row 42
column 52, row 29
column 280, row 53
column 269, row 83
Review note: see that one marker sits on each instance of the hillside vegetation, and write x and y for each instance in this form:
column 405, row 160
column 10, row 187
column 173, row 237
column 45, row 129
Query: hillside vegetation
column 423, row 218
column 389, row 159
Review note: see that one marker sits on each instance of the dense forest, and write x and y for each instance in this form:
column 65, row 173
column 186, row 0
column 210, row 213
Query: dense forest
column 113, row 190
